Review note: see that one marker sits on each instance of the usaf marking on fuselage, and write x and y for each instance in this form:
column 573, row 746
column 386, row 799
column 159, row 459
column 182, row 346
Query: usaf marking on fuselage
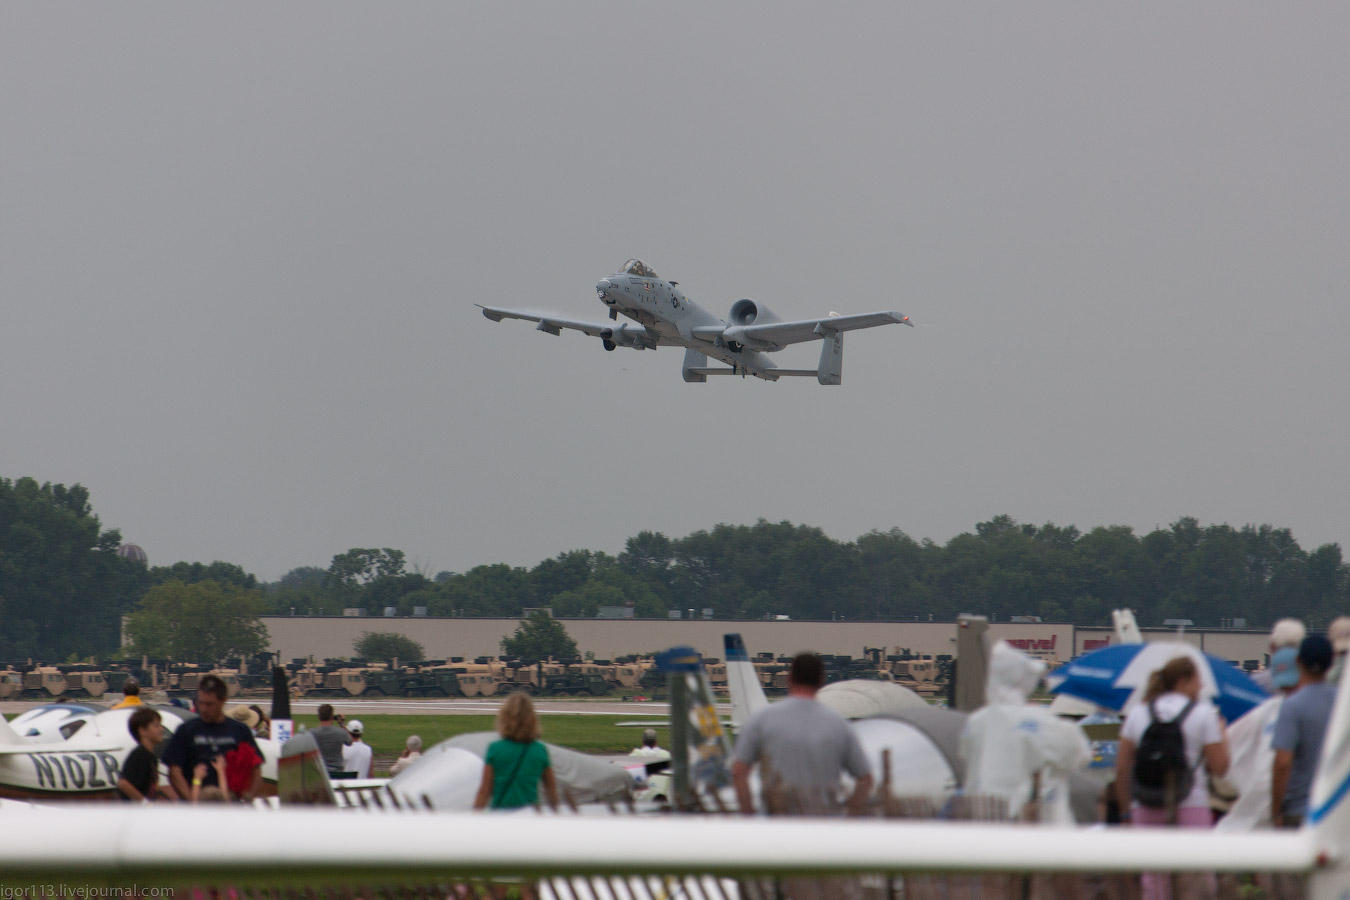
column 666, row 317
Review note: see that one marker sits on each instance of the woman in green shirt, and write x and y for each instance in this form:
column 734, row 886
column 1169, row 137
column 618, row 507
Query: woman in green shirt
column 516, row 764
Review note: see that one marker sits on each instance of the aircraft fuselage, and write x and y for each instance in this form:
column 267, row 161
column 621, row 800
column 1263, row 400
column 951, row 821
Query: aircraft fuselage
column 660, row 306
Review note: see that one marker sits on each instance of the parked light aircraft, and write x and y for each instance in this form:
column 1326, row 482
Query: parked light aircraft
column 666, row 317
column 58, row 752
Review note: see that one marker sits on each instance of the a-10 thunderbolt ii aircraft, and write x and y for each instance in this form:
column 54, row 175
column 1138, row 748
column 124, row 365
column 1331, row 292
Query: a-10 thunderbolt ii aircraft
column 666, row 317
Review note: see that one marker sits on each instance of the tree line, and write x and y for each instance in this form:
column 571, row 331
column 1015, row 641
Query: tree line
column 64, row 589
column 1211, row 574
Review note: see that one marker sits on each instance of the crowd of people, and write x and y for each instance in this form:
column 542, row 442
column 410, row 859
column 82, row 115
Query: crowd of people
column 1179, row 764
column 214, row 757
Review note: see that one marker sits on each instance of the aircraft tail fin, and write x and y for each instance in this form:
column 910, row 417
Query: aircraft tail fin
column 301, row 776
column 1329, row 803
column 1127, row 630
column 831, row 370
column 700, row 753
column 8, row 736
column 694, row 364
column 747, row 694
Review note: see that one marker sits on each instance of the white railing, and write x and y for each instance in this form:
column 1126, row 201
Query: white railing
column 306, row 848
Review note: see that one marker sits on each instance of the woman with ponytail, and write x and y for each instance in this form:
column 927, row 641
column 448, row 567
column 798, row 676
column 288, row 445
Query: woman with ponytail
column 1155, row 788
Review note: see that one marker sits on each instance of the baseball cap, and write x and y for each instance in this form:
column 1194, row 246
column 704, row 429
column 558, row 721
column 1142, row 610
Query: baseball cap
column 355, row 726
column 1315, row 653
column 1284, row 668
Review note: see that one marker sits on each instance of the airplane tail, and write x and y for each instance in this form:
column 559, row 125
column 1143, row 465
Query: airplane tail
column 1329, row 807
column 694, row 365
column 8, row 736
column 700, row 753
column 1127, row 630
column 302, row 778
column 747, row 694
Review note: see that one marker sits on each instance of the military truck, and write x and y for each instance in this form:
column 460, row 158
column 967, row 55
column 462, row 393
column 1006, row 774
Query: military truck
column 42, row 682
column 386, row 682
column 517, row 676
column 341, row 682
column 11, row 683
column 85, row 681
column 447, row 681
column 575, row 683
column 628, row 675
column 477, row 683
column 717, row 676
column 919, row 675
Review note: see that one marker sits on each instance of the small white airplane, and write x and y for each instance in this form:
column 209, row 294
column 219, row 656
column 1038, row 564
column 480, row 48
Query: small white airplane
column 666, row 317
column 64, row 751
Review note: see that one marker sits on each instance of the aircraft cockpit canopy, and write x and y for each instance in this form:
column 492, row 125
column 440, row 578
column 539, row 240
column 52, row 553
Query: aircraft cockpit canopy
column 639, row 268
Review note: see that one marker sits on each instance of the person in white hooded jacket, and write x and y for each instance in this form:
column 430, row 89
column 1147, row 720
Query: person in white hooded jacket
column 1006, row 744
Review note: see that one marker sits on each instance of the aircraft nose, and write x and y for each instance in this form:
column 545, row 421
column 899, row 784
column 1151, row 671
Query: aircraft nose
column 603, row 288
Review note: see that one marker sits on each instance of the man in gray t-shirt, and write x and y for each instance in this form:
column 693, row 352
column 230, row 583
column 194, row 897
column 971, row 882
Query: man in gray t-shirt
column 802, row 748
column 1299, row 732
column 331, row 738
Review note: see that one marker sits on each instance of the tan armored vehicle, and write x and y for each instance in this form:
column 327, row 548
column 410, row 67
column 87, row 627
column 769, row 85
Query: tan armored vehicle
column 86, row 684
column 188, row 682
column 919, row 675
column 11, row 683
column 629, row 675
column 305, row 679
column 44, row 681
column 717, row 677
column 477, row 684
column 349, row 682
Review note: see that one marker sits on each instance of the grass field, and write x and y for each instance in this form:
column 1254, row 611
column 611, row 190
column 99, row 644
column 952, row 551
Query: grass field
column 587, row 734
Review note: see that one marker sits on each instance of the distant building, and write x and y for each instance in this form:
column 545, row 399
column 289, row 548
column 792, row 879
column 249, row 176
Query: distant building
column 615, row 612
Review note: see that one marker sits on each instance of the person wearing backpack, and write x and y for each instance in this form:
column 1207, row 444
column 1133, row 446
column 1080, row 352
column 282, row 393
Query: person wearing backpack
column 1169, row 746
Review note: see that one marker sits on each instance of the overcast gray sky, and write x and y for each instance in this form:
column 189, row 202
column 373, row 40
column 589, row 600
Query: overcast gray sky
column 240, row 246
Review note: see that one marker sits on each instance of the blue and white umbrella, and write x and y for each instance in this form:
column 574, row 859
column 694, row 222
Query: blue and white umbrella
column 1115, row 677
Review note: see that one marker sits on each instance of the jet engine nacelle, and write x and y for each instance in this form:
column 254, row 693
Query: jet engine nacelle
column 743, row 313
column 748, row 312
column 624, row 335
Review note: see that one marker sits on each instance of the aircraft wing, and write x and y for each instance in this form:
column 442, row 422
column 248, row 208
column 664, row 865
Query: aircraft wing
column 547, row 321
column 622, row 334
column 783, row 333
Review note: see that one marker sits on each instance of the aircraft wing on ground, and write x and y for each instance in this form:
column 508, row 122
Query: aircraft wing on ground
column 626, row 334
column 780, row 334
